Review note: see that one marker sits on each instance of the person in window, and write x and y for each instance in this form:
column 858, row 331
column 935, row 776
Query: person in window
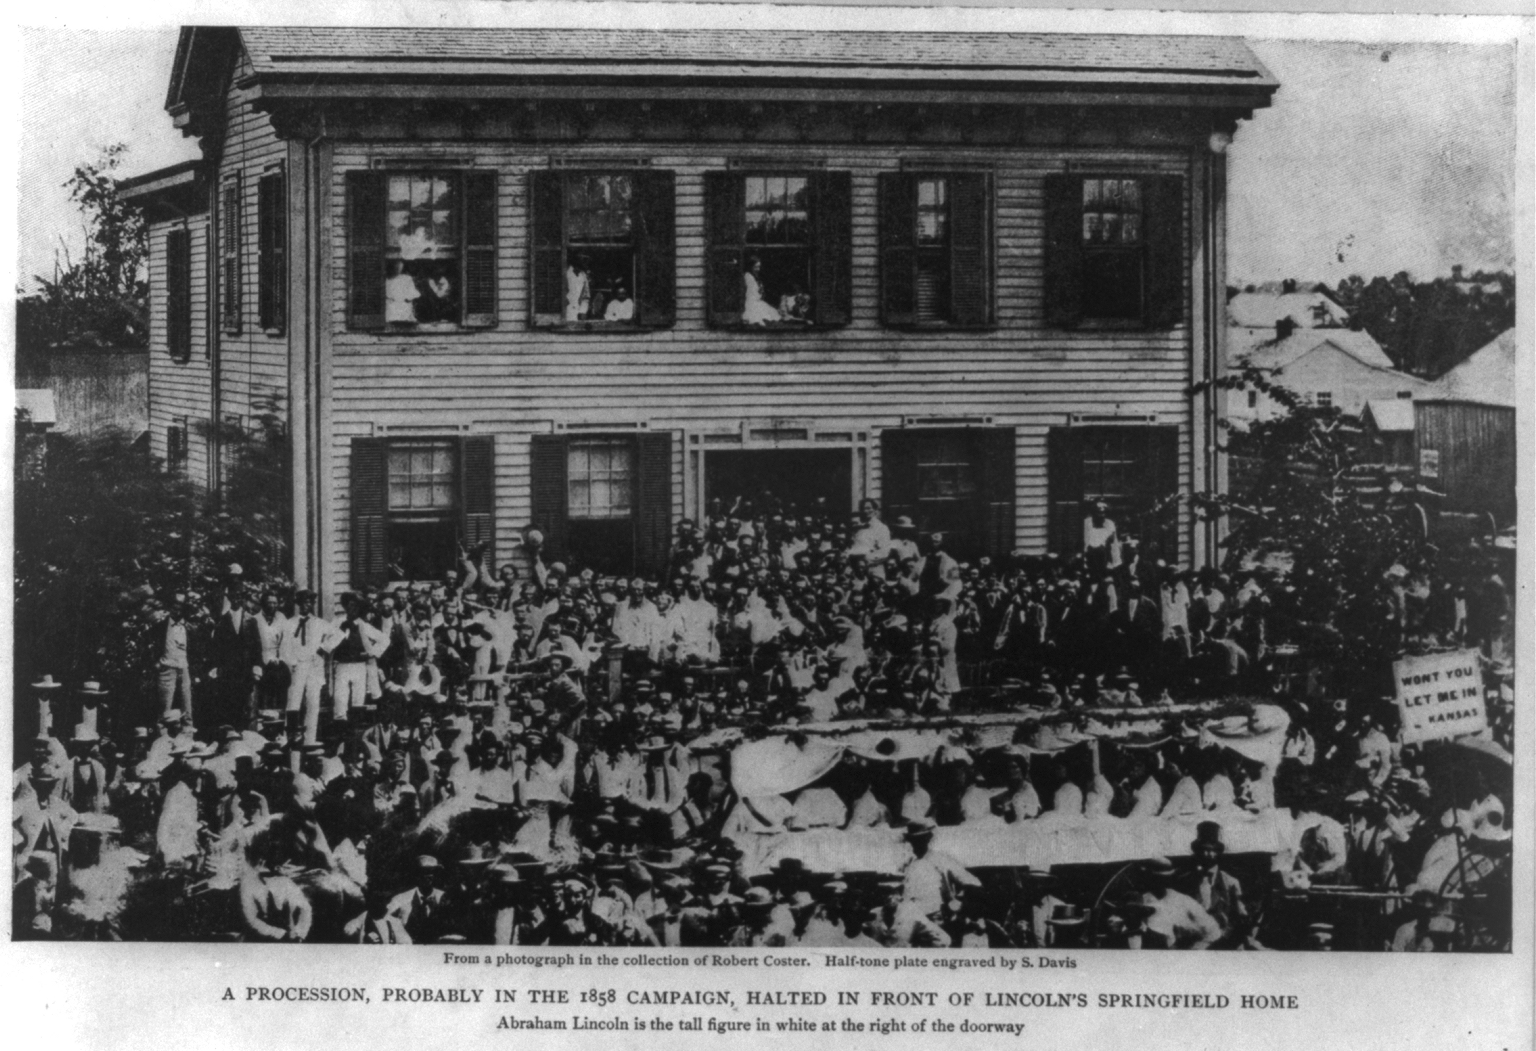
column 795, row 305
column 439, row 298
column 578, row 288
column 755, row 308
column 400, row 295
column 621, row 307
column 1101, row 546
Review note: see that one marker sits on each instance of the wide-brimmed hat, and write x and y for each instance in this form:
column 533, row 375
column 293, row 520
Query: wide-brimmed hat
column 1158, row 866
column 1067, row 916
column 757, row 898
column 91, row 688
column 922, row 828
column 46, row 683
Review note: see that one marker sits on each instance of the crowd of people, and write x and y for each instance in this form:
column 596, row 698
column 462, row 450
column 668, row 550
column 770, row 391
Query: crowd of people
column 511, row 756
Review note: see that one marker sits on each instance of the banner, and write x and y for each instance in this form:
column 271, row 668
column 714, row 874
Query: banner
column 1440, row 695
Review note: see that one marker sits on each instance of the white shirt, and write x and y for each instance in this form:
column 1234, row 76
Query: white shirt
column 620, row 310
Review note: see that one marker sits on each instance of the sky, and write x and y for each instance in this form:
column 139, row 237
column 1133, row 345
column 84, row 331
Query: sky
column 1373, row 158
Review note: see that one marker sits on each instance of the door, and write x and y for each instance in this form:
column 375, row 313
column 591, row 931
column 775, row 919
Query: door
column 786, row 481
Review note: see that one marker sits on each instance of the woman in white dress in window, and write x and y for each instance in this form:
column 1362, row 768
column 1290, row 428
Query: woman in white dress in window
column 755, row 308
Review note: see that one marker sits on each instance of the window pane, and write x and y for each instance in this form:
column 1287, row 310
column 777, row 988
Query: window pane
column 599, row 479
column 1091, row 193
column 1130, row 195
column 1093, row 227
column 421, row 477
column 1130, row 228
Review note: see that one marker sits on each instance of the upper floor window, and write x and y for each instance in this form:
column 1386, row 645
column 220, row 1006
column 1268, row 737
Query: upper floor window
column 1114, row 250
column 603, row 248
column 272, row 250
column 178, row 294
column 778, row 249
column 936, row 249
column 1325, row 399
column 422, row 249
column 229, row 254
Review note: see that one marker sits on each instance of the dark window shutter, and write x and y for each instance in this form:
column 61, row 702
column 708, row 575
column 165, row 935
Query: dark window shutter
column 1063, row 293
column 898, row 475
column 653, row 523
column 1064, row 487
column 477, row 492
column 898, row 249
column 546, row 197
column 655, row 208
column 366, row 196
column 479, row 249
column 832, row 212
column 547, row 492
column 725, row 223
column 996, row 446
column 229, row 255
column 370, row 509
column 970, row 249
column 178, row 294
column 272, row 237
column 1164, row 218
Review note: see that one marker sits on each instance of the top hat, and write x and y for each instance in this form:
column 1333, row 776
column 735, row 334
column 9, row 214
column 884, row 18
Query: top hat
column 1208, row 833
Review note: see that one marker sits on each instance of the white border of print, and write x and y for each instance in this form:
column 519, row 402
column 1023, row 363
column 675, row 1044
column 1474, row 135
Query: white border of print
column 165, row 997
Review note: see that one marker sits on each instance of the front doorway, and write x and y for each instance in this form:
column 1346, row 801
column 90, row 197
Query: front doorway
column 779, row 481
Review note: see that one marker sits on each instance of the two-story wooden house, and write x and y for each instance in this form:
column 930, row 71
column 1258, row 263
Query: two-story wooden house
column 595, row 280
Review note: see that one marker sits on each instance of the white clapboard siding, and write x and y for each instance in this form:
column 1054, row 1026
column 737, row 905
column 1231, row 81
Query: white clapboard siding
column 179, row 390
column 253, row 366
column 514, row 381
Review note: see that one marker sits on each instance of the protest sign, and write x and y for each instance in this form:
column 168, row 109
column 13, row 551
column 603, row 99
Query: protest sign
column 1440, row 695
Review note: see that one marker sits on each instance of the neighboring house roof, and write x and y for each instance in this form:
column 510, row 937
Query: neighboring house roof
column 1277, row 354
column 1390, row 414
column 1263, row 309
column 39, row 407
column 1486, row 377
column 309, row 54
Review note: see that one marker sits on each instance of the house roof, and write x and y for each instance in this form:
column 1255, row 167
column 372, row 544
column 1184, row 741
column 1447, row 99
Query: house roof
column 302, row 59
column 1263, row 309
column 39, row 406
column 1390, row 414
column 1269, row 353
column 1486, row 377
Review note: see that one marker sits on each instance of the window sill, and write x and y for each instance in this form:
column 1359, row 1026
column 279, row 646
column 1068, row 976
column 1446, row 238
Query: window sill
column 1104, row 324
column 941, row 326
column 595, row 326
column 779, row 326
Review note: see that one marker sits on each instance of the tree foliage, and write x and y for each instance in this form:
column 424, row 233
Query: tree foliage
column 101, row 299
column 105, row 537
column 1429, row 327
column 1308, row 496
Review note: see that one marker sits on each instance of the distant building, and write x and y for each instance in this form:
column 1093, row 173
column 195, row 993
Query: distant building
column 1464, row 432
column 1329, row 367
column 1262, row 310
column 1388, row 423
column 94, row 389
column 35, row 417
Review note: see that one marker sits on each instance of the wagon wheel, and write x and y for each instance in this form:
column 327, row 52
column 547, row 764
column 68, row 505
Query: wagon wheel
column 1098, row 913
column 1479, row 890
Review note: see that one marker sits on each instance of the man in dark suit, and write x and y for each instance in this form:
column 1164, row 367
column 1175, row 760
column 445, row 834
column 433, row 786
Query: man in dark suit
column 233, row 664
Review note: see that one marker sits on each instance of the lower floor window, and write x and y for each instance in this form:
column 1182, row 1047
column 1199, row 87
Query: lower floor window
column 1134, row 471
column 415, row 502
